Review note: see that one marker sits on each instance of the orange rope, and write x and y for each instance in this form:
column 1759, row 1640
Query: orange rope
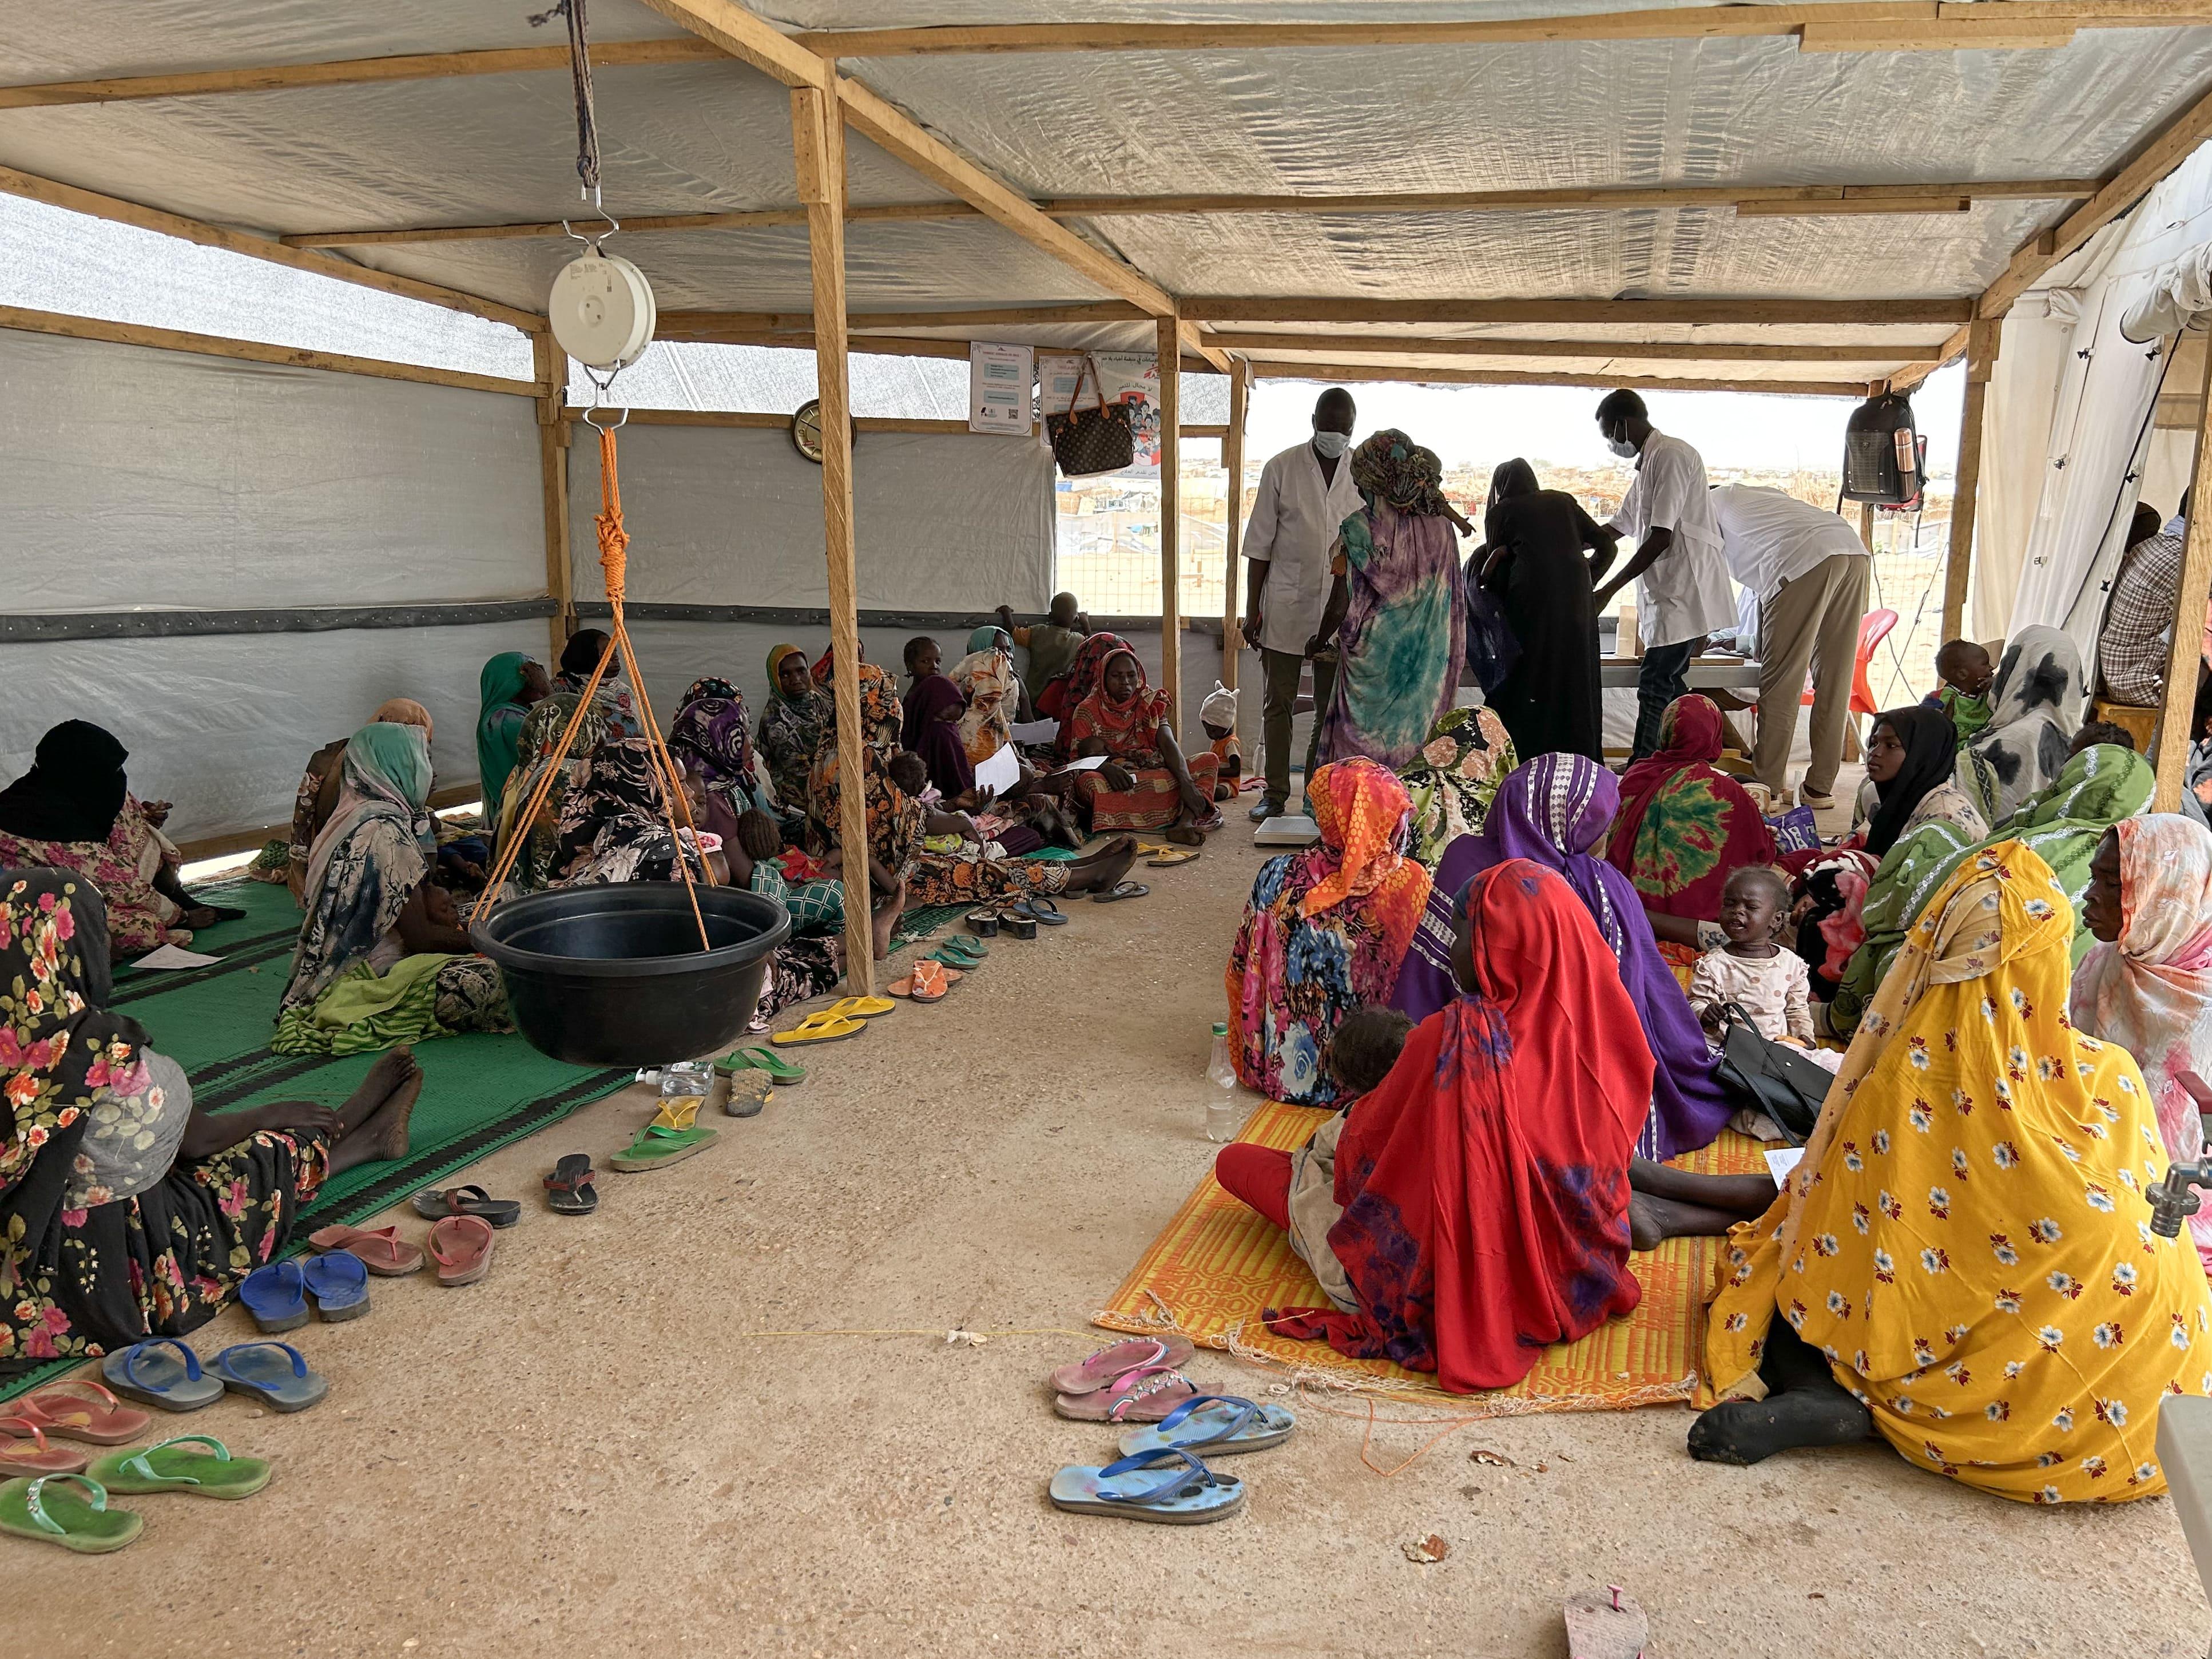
column 614, row 548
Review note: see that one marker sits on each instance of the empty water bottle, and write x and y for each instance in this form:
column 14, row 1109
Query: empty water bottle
column 1224, row 1110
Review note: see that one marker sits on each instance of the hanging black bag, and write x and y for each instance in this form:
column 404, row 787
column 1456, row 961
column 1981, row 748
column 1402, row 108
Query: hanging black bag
column 1881, row 453
column 1786, row 1084
column 1085, row 441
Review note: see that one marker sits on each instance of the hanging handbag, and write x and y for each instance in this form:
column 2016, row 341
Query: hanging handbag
column 1786, row 1084
column 1085, row 441
column 1492, row 649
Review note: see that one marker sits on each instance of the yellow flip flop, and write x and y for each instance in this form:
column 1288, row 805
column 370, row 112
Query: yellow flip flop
column 1166, row 858
column 823, row 1026
column 859, row 1007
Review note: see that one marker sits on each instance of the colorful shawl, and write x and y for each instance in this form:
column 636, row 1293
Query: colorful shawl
column 1453, row 783
column 1324, row 934
column 1966, row 1239
column 369, row 858
column 1685, row 826
column 540, row 860
column 2150, row 991
column 1077, row 686
column 790, row 731
column 499, row 723
column 611, row 827
column 894, row 818
column 987, row 679
column 2062, row 826
column 1390, row 468
column 1130, row 730
column 2035, row 708
column 1405, row 634
column 1553, row 812
column 935, row 739
column 1485, row 1184
column 712, row 735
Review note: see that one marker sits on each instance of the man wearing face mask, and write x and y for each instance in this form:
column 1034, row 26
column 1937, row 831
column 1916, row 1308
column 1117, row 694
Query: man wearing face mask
column 1682, row 586
column 1305, row 495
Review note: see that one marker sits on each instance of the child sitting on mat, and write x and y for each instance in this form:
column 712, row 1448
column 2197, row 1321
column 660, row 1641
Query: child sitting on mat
column 1217, row 714
column 1751, row 968
column 1296, row 1191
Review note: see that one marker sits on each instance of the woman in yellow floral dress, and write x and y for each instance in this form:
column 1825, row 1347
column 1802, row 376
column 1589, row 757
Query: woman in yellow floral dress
column 1966, row 1244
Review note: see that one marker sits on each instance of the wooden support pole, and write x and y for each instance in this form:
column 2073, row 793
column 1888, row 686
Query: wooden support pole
column 1981, row 363
column 1232, row 461
column 817, row 140
column 553, row 429
column 1171, row 518
column 2183, row 654
column 1866, row 524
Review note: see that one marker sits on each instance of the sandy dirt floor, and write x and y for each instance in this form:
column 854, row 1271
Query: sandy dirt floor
column 597, row 1451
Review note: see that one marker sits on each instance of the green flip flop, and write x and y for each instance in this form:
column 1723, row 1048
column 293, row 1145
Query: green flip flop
column 786, row 1074
column 38, row 1509
column 970, row 943
column 167, row 1467
column 953, row 956
column 672, row 1136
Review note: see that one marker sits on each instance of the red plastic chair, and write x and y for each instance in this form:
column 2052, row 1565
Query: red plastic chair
column 1874, row 628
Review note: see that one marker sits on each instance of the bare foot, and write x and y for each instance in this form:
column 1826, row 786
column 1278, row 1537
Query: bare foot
column 1182, row 834
column 1650, row 1220
column 1112, row 863
column 884, row 919
column 384, row 1136
column 384, row 1079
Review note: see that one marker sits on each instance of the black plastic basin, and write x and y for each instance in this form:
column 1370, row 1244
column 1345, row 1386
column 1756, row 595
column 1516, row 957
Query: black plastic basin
column 614, row 976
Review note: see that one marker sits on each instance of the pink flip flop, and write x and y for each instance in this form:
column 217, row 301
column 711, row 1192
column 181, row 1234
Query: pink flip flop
column 78, row 1409
column 1111, row 1362
column 461, row 1246
column 381, row 1250
column 31, row 1455
column 1145, row 1394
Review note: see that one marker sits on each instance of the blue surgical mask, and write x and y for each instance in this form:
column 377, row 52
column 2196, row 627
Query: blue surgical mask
column 1331, row 444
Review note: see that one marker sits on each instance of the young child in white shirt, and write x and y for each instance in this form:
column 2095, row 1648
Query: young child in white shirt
column 1752, row 968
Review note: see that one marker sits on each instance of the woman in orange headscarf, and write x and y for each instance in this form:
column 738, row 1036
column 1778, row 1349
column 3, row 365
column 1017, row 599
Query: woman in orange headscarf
column 1325, row 932
column 1146, row 782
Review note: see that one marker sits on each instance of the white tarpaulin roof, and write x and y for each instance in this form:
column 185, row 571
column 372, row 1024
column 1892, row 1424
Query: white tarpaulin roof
column 716, row 137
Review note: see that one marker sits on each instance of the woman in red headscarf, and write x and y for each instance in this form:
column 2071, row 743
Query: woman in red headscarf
column 1146, row 783
column 1685, row 825
column 1484, row 1183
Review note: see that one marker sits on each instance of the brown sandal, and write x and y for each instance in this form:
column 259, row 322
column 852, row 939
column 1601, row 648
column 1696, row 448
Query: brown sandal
column 461, row 1246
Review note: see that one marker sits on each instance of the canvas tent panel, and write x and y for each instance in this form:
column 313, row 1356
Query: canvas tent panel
column 142, row 478
column 733, row 516
column 223, row 726
column 2033, row 354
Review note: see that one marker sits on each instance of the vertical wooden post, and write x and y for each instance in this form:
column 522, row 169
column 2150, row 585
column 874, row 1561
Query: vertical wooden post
column 2174, row 736
column 1981, row 363
column 1232, row 460
column 551, row 364
column 818, row 143
column 1171, row 348
column 1866, row 524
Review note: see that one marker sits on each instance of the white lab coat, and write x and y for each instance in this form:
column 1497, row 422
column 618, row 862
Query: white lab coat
column 1686, row 594
column 1295, row 520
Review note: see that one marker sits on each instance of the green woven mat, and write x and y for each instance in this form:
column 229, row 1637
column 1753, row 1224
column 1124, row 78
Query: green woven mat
column 479, row 1092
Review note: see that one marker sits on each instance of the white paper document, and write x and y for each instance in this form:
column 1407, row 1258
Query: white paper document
column 1001, row 772
column 1781, row 1160
column 1036, row 731
column 171, row 956
column 1090, row 763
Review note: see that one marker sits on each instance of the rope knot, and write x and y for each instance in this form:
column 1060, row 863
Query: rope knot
column 614, row 539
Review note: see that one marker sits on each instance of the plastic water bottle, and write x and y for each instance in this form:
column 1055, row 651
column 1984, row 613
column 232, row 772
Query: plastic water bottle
column 1224, row 1112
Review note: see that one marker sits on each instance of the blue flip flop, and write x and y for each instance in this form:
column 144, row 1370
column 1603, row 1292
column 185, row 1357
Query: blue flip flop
column 144, row 1373
column 273, row 1373
column 1042, row 910
column 1187, row 1495
column 339, row 1284
column 1218, row 1424
column 276, row 1296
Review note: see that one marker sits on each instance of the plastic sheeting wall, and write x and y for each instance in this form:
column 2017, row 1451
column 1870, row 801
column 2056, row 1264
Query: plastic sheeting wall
column 140, row 479
column 722, row 515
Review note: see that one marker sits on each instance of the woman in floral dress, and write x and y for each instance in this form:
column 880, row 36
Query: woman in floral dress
column 125, row 1210
column 1325, row 932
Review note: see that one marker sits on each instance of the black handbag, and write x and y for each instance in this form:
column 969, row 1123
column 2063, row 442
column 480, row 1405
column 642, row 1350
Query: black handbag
column 1786, row 1084
column 1085, row 441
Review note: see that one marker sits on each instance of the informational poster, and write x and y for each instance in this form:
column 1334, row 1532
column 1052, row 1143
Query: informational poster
column 998, row 381
column 1131, row 377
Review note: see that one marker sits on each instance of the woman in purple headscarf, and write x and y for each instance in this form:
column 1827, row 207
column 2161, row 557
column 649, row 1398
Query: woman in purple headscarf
column 1554, row 810
column 712, row 735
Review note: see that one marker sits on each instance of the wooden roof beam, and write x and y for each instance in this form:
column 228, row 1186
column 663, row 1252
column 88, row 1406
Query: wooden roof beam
column 1326, row 309
column 1913, row 373
column 1701, row 351
column 54, row 193
column 1849, row 25
column 1792, row 200
column 1369, row 372
column 693, row 324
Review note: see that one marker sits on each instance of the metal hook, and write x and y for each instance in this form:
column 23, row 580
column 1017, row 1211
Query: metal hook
column 598, row 427
column 592, row 241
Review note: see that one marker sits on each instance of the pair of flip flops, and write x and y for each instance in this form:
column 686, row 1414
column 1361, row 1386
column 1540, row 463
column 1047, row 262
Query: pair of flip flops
column 928, row 980
column 272, row 1374
column 381, row 1250
column 846, row 1017
column 277, row 1295
column 472, row 1201
column 46, row 1508
column 673, row 1135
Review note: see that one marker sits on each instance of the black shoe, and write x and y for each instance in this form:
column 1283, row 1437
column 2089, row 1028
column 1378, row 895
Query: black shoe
column 1269, row 807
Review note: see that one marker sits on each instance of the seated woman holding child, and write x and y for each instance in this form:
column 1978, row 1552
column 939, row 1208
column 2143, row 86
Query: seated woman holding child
column 1324, row 933
column 74, row 811
column 1684, row 824
column 1963, row 1263
column 1146, row 783
column 1482, row 1185
column 383, row 958
column 127, row 1210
